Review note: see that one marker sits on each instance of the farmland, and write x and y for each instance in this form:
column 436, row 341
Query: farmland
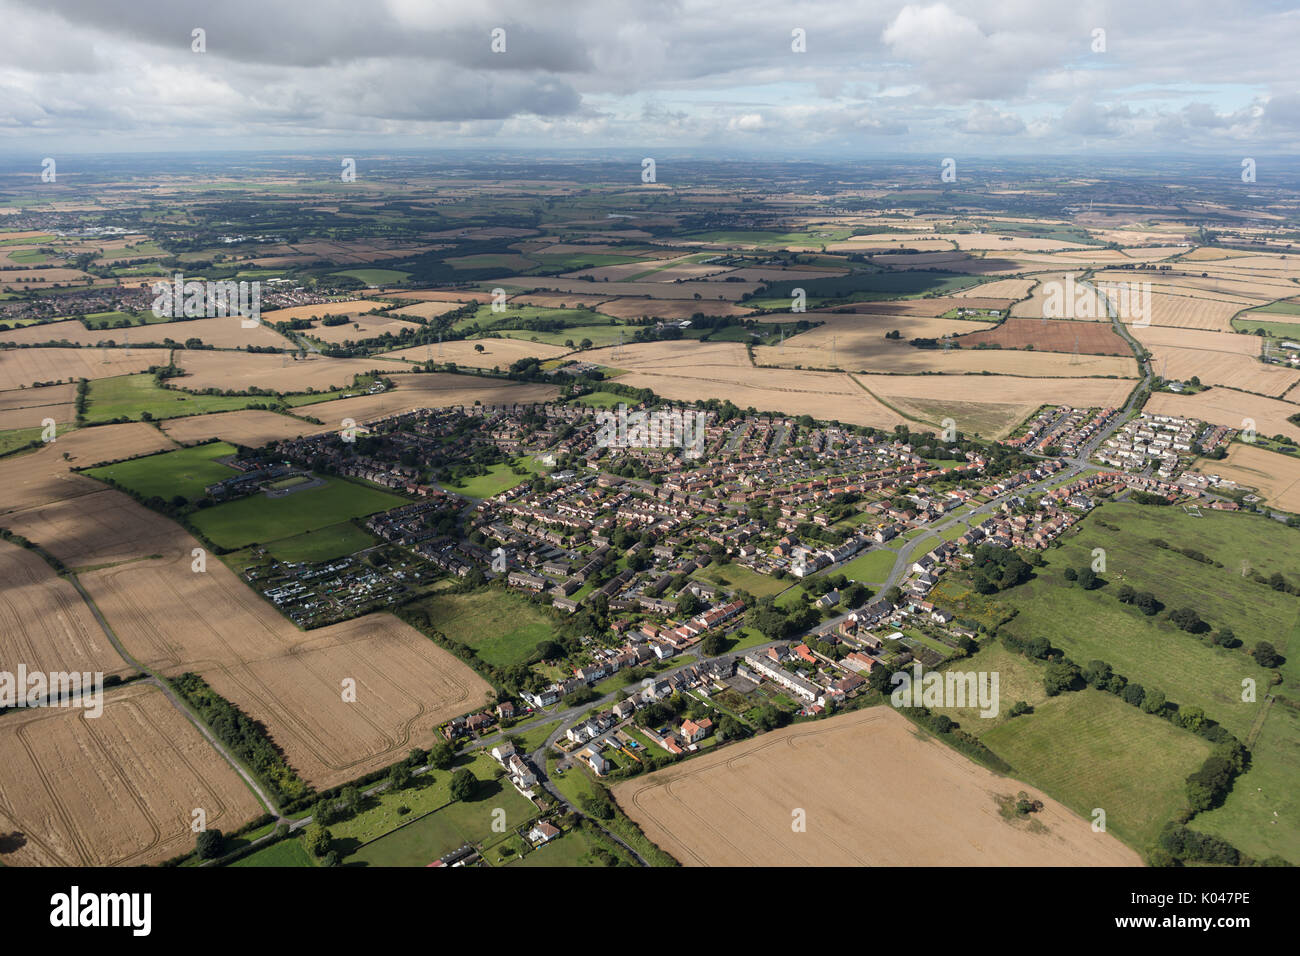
column 117, row 791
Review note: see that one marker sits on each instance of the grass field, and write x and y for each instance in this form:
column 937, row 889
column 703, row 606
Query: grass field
column 1091, row 750
column 498, row 479
column 237, row 524
column 1151, row 650
column 600, row 400
column 186, row 471
column 1261, row 816
column 283, row 853
column 18, row 437
column 129, row 396
column 376, row 836
column 872, row 567
column 502, row 627
column 735, row 576
column 334, row 541
column 375, row 277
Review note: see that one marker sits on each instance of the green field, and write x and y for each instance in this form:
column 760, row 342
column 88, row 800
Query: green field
column 186, row 471
column 333, row 542
column 1262, row 319
column 600, row 400
column 1151, row 650
column 600, row 335
column 502, row 627
column 1089, row 749
column 130, row 396
column 18, row 437
column 498, row 479
column 736, row 576
column 865, row 286
column 287, row 852
column 1261, row 815
column 259, row 519
column 375, row 276
column 871, row 568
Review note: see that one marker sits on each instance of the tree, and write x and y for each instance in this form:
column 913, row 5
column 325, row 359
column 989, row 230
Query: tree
column 209, row 844
column 1188, row 620
column 478, row 347
column 1071, row 574
column 1060, row 677
column 1154, row 702
column 317, row 839
column 350, row 797
column 399, row 776
column 1126, row 594
column 713, row 644
column 442, row 755
column 1088, row 579
column 463, row 784
column 1266, row 655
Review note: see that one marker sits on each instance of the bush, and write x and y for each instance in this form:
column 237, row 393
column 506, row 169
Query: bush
column 210, row 844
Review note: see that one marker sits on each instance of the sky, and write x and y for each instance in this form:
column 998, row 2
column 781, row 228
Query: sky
column 805, row 78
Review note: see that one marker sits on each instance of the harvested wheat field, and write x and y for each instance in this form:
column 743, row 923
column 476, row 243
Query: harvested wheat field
column 213, row 624
column 551, row 300
column 706, row 289
column 363, row 327
column 34, row 416
column 847, row 774
column 495, row 352
column 238, row 372
column 440, row 295
column 989, row 405
column 249, row 427
column 671, row 309
column 998, row 289
column 23, row 367
column 223, row 332
column 103, row 527
column 45, row 624
column 1223, row 406
column 1192, row 313
column 424, row 310
column 1275, row 476
column 864, row 351
column 320, row 310
column 1049, row 335
column 430, row 390
column 41, row 476
column 117, row 790
column 1216, row 358
column 686, row 371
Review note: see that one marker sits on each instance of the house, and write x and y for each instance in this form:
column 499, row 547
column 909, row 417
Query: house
column 543, row 832
column 693, row 731
column 506, row 711
column 625, row 708
column 599, row 765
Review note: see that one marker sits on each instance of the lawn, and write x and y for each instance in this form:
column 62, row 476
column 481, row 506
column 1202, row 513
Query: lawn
column 571, row 849
column 502, row 627
column 186, row 471
column 872, row 567
column 130, row 396
column 259, row 519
